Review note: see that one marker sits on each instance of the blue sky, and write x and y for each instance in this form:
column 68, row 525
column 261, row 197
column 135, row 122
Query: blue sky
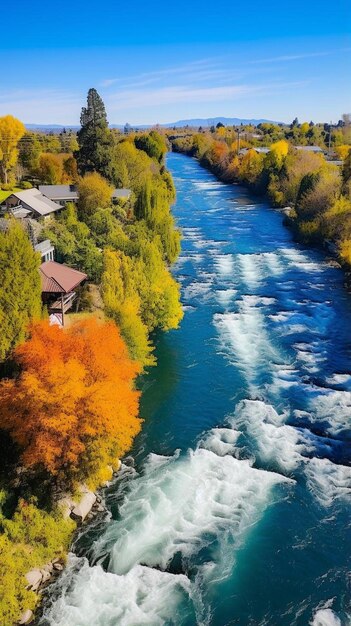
column 154, row 62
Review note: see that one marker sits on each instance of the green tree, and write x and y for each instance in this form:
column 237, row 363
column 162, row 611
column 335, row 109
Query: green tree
column 95, row 140
column 20, row 289
column 30, row 149
column 153, row 144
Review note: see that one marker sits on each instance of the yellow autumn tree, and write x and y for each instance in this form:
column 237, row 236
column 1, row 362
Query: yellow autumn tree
column 277, row 153
column 11, row 131
column 94, row 193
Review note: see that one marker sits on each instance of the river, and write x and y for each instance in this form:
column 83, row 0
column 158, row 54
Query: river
column 237, row 510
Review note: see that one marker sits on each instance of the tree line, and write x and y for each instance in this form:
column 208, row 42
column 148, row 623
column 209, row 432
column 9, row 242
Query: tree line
column 317, row 190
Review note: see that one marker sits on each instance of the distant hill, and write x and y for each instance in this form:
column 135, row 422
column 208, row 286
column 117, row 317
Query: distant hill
column 51, row 128
column 227, row 121
column 196, row 122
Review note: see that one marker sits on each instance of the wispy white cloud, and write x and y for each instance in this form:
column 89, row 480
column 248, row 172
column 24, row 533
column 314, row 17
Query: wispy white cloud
column 41, row 105
column 291, row 57
column 202, row 69
column 171, row 95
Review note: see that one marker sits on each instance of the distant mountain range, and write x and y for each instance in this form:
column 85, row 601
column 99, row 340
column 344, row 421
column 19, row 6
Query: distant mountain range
column 212, row 121
column 196, row 122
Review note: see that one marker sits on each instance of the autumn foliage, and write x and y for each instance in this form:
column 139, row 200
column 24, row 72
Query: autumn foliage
column 73, row 409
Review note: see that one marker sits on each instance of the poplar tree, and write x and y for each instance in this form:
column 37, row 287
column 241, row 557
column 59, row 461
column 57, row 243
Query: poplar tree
column 20, row 290
column 11, row 131
column 95, row 139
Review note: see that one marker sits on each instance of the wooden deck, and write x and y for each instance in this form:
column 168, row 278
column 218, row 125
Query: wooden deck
column 68, row 299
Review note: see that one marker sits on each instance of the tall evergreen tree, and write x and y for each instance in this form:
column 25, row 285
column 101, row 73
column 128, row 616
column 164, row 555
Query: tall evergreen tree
column 95, row 139
column 94, row 113
column 20, row 291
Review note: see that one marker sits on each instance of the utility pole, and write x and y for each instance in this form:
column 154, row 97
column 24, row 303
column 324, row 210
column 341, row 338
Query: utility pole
column 329, row 142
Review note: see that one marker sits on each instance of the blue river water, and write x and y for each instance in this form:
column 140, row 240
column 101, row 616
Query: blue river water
column 237, row 509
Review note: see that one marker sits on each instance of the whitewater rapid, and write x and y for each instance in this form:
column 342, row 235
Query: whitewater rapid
column 238, row 509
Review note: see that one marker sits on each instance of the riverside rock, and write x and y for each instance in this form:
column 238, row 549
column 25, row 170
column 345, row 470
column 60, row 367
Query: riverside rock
column 85, row 505
column 45, row 574
column 26, row 617
column 34, row 578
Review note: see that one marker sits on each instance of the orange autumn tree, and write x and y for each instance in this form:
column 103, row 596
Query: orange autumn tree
column 73, row 409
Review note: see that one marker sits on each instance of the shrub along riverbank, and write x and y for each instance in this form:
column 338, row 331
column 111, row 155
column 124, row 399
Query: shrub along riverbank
column 317, row 191
column 68, row 403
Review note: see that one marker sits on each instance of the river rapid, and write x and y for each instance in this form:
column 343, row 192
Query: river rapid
column 237, row 510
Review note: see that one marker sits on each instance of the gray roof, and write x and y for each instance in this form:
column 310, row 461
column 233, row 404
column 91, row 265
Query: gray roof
column 33, row 200
column 59, row 192
column 309, row 148
column 70, row 192
column 258, row 149
column 121, row 193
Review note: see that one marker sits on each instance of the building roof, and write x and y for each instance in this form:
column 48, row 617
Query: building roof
column 258, row 149
column 309, row 148
column 59, row 278
column 33, row 200
column 121, row 193
column 70, row 192
column 44, row 246
column 59, row 192
column 20, row 213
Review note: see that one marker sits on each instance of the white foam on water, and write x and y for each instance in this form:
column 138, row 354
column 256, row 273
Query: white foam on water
column 245, row 339
column 257, row 267
column 225, row 296
column 296, row 258
column 281, row 317
column 325, row 617
column 205, row 243
column 198, row 290
column 273, row 440
column 251, row 272
column 192, row 258
column 311, row 355
column 180, row 504
column 328, row 482
column 221, row 441
column 331, row 406
column 224, row 264
column 283, row 377
column 339, row 379
column 184, row 505
column 294, row 329
column 143, row 596
column 208, row 185
column 273, row 265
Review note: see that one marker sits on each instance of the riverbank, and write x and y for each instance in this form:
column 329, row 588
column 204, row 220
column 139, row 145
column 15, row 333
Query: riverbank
column 315, row 190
